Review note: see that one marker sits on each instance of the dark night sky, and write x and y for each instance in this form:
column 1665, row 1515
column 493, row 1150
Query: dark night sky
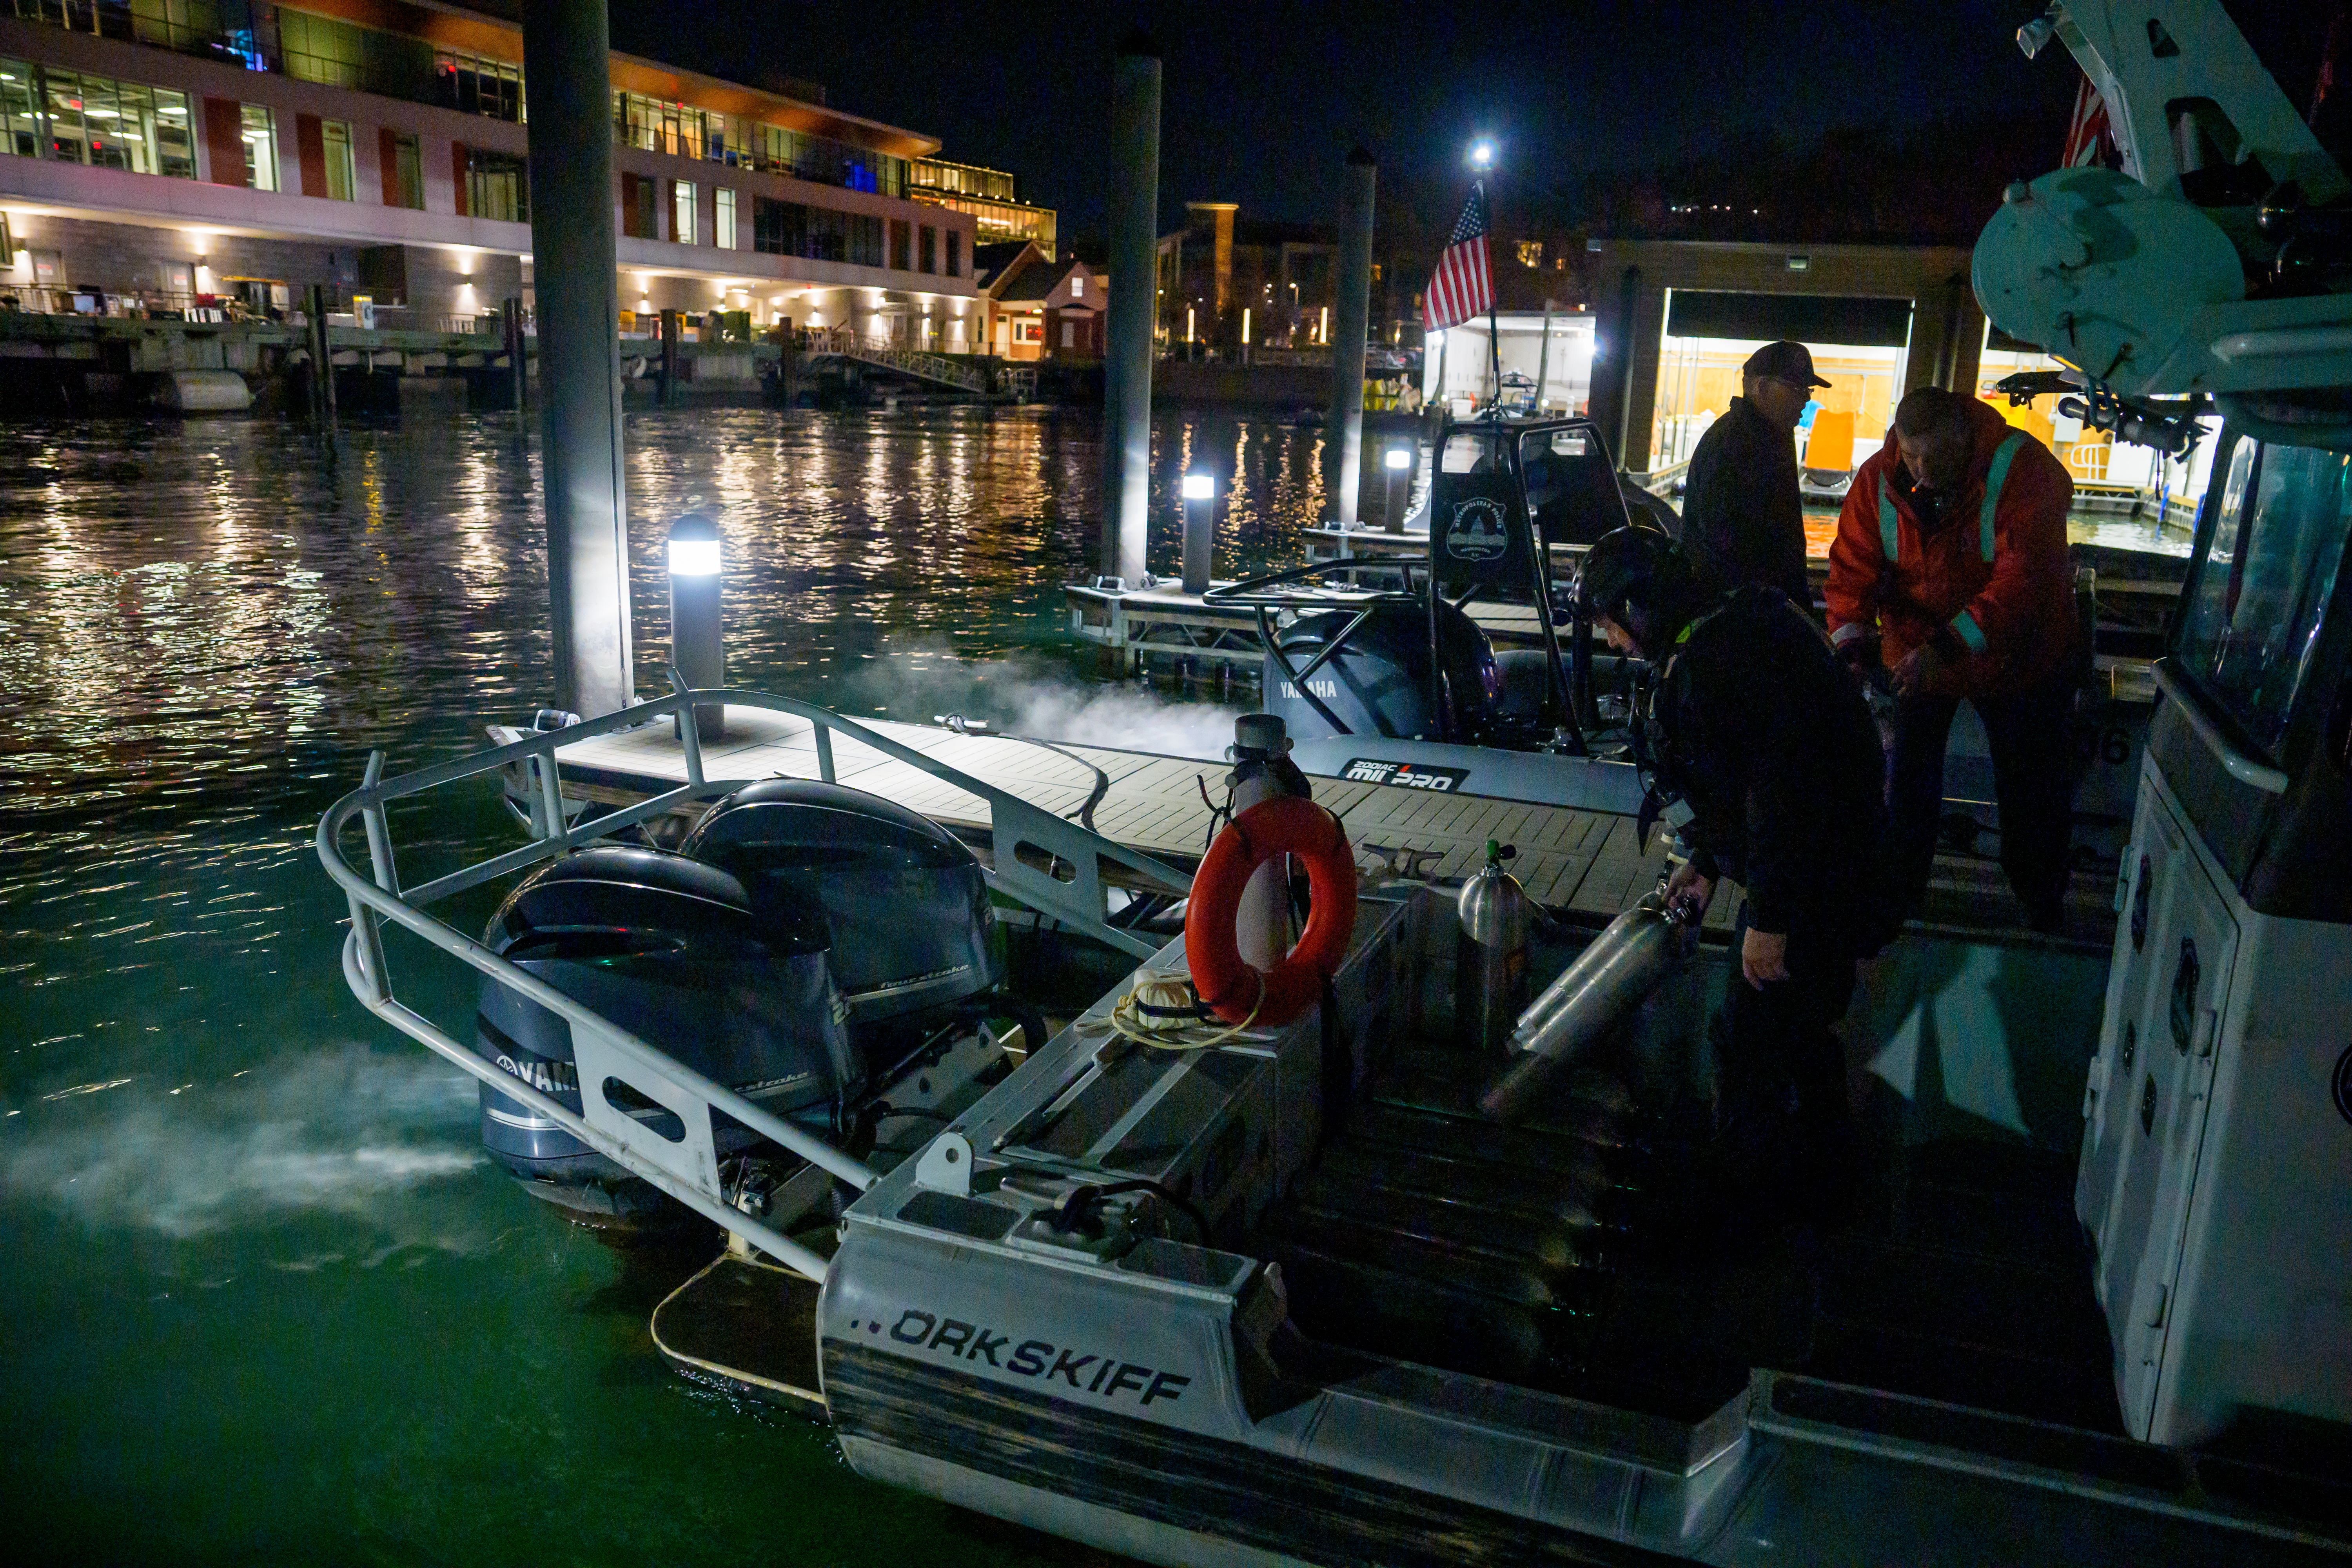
column 1264, row 100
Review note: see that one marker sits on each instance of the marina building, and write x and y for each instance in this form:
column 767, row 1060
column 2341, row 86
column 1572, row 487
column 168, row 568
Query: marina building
column 1674, row 319
column 992, row 196
column 1040, row 308
column 217, row 157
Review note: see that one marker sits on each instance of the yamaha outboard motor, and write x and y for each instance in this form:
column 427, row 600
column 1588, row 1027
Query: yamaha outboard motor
column 1379, row 683
column 912, row 934
column 671, row 951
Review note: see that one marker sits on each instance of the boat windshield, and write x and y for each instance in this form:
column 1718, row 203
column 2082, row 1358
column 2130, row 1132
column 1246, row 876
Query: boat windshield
column 2251, row 624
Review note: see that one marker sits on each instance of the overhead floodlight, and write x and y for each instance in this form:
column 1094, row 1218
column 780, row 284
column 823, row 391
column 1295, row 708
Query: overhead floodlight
column 1482, row 154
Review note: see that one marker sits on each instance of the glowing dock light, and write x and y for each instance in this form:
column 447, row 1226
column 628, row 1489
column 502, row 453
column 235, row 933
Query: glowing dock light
column 697, row 646
column 1200, row 520
column 1482, row 154
column 1397, row 462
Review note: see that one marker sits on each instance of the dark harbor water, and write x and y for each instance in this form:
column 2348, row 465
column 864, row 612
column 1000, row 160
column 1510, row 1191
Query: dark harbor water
column 261, row 1298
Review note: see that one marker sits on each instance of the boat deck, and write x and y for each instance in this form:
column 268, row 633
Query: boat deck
column 1582, row 861
column 1608, row 1252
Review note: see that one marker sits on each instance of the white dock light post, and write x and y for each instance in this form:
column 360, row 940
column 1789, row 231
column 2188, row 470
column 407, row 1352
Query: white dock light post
column 697, row 649
column 1200, row 524
column 1397, row 462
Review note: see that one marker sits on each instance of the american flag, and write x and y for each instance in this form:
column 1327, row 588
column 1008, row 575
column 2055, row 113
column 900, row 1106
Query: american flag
column 2090, row 141
column 1463, row 283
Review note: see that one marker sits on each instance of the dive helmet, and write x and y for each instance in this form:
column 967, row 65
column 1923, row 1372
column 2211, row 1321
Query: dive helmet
column 1639, row 578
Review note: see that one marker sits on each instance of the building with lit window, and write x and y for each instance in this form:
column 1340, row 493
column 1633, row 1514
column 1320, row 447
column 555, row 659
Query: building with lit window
column 166, row 156
column 1224, row 279
column 992, row 196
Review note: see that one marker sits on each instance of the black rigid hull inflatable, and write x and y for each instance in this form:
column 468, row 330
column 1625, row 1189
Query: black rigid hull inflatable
column 672, row 950
column 904, row 901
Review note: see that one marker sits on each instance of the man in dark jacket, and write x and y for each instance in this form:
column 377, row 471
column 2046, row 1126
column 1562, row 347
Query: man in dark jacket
column 1768, row 744
column 1743, row 520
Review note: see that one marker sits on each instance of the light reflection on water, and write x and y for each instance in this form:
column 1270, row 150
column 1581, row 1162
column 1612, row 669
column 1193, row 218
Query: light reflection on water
column 261, row 1290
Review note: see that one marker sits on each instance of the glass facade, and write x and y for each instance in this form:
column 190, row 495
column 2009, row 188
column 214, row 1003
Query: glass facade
column 654, row 126
column 76, row 118
column 815, row 233
column 472, row 85
column 228, row 30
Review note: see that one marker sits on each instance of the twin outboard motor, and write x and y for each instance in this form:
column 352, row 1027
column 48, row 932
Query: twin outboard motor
column 807, row 939
column 672, row 950
column 904, row 901
column 1379, row 682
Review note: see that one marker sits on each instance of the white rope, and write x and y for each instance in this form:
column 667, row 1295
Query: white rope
column 1159, row 988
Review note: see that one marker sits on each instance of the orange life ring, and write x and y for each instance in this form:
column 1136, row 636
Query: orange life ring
column 1230, row 986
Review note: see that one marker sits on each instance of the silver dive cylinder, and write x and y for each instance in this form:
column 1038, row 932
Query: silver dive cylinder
column 1609, row 979
column 1263, row 930
column 1490, row 954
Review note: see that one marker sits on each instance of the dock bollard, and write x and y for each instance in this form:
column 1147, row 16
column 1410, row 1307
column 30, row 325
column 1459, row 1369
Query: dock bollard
column 1200, row 526
column 1397, row 462
column 696, row 648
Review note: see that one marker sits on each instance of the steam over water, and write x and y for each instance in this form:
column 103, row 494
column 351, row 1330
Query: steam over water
column 262, row 1297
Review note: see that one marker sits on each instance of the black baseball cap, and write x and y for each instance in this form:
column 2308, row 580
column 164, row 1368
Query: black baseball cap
column 1784, row 361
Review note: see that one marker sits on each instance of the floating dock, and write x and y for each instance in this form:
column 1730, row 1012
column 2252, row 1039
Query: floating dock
column 1585, row 862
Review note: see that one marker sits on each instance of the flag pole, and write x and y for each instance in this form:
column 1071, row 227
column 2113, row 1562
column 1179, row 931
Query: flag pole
column 1494, row 334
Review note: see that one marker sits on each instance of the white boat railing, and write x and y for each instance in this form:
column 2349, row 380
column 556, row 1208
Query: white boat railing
column 611, row 1058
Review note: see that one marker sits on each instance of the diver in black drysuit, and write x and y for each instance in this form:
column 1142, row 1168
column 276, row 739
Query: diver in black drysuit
column 1766, row 739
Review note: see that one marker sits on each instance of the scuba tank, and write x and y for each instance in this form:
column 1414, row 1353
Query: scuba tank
column 1490, row 955
column 1262, row 771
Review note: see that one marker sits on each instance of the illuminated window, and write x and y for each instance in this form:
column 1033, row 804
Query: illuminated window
column 77, row 118
column 404, row 181
column 259, row 129
column 723, row 218
column 498, row 185
column 335, row 139
column 681, row 211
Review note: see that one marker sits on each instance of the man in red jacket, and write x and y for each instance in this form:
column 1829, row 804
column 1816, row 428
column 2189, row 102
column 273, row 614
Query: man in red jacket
column 1951, row 564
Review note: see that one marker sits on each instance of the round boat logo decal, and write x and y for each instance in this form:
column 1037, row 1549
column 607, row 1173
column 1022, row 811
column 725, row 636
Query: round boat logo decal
column 1477, row 534
column 2344, row 1084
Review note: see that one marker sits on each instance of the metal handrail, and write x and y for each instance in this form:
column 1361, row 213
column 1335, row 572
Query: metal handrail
column 686, row 1167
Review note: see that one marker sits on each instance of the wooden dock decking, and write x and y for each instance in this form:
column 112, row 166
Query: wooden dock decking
column 1583, row 861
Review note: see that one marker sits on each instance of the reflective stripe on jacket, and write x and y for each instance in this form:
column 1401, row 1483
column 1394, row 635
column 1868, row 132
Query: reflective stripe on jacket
column 1992, row 586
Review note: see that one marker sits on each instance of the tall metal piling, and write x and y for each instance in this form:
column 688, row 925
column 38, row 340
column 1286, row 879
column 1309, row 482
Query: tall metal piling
column 567, row 56
column 1134, row 300
column 1348, row 328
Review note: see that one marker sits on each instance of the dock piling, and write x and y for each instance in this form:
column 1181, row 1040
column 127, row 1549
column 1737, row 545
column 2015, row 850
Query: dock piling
column 1134, row 261
column 517, row 369
column 1355, row 281
column 567, row 59
column 322, row 356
